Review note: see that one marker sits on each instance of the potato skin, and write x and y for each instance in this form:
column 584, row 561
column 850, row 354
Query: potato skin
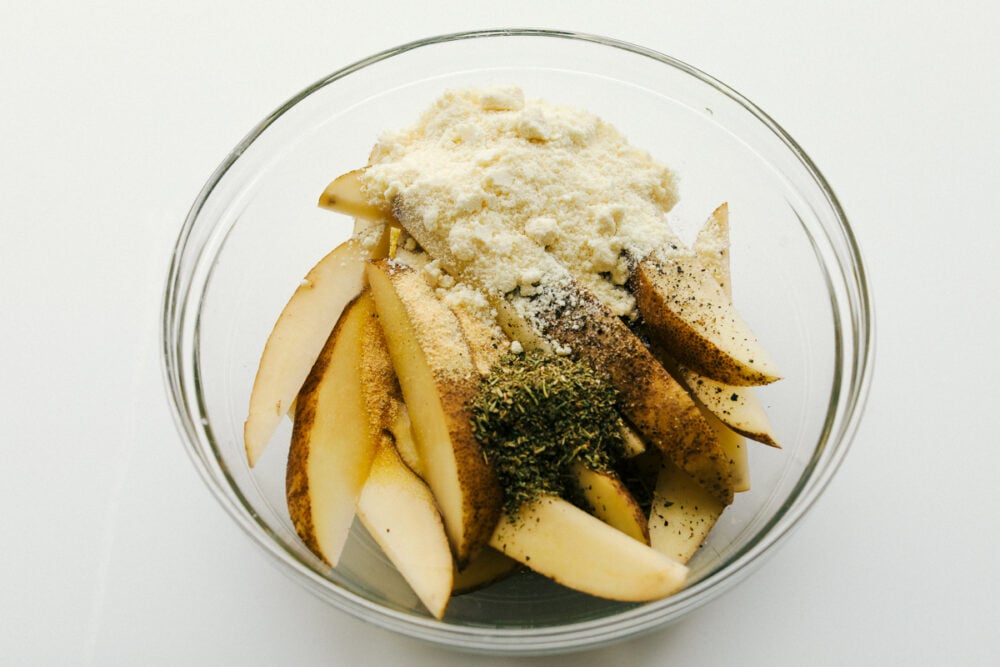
column 297, row 481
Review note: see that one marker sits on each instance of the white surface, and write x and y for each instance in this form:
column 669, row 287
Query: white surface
column 115, row 113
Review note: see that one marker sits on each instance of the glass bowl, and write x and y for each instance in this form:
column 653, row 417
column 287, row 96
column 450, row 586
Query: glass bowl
column 255, row 230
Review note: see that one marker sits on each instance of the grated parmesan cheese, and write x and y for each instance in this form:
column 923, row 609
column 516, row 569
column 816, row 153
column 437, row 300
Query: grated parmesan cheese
column 520, row 195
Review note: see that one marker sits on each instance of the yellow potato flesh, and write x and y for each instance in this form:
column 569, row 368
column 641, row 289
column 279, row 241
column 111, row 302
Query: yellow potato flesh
column 737, row 407
column 612, row 502
column 734, row 447
column 682, row 514
column 400, row 513
column 712, row 247
column 344, row 195
column 575, row 549
column 332, row 446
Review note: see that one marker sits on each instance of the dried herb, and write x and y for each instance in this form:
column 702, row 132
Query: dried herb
column 536, row 415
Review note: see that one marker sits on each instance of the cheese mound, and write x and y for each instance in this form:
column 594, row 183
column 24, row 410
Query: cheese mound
column 517, row 192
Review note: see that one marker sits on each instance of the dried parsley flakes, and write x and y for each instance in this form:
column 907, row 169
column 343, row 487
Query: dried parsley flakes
column 536, row 415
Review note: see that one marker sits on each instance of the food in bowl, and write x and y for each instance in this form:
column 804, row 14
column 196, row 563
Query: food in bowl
column 515, row 361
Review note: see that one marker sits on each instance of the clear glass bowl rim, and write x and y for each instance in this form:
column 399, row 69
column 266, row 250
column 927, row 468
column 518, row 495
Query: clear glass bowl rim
column 854, row 386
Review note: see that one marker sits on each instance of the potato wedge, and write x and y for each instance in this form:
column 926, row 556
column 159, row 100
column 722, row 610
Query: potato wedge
column 387, row 411
column 380, row 388
column 487, row 343
column 344, row 195
column 682, row 514
column 690, row 315
column 612, row 502
column 332, row 445
column 299, row 334
column 489, row 567
column 712, row 247
column 734, row 447
column 401, row 515
column 438, row 378
column 415, row 548
column 578, row 550
column 737, row 407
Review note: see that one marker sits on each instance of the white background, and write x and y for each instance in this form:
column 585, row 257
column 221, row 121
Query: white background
column 114, row 113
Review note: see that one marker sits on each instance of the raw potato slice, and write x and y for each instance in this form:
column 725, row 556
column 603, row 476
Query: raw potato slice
column 384, row 397
column 575, row 549
column 612, row 502
column 737, row 407
column 712, row 247
column 735, row 449
column 400, row 513
column 731, row 444
column 332, row 444
column 299, row 334
column 344, row 195
column 682, row 514
column 690, row 315
column 438, row 378
column 489, row 567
